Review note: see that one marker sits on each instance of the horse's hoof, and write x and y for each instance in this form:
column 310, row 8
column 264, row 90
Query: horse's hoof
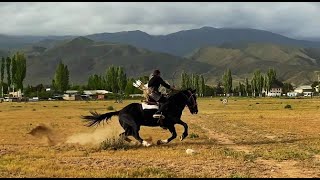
column 159, row 142
column 145, row 143
column 181, row 138
column 162, row 142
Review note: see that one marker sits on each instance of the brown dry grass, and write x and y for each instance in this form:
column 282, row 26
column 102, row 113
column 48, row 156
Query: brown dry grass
column 245, row 138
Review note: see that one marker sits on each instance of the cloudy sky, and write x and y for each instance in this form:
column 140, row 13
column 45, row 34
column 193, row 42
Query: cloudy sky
column 292, row 19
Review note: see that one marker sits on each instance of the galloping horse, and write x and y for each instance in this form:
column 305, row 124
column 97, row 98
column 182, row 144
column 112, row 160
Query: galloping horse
column 132, row 116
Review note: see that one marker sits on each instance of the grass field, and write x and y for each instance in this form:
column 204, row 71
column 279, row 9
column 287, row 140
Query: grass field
column 248, row 137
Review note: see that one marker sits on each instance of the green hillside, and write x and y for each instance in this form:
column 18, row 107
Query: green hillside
column 295, row 65
column 85, row 57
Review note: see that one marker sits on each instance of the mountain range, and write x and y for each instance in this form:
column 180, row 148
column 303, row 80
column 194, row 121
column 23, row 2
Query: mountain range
column 208, row 51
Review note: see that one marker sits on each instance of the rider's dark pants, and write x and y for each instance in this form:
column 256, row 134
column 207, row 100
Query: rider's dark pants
column 163, row 105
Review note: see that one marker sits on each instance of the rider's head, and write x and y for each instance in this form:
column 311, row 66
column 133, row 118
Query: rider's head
column 156, row 72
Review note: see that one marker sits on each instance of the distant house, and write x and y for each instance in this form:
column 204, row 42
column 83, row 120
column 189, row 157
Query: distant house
column 275, row 90
column 292, row 94
column 17, row 94
column 304, row 90
column 87, row 94
column 94, row 92
column 71, row 95
column 100, row 97
column 72, row 92
column 136, row 95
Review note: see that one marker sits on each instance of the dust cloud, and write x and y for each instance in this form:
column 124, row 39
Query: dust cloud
column 97, row 136
column 44, row 132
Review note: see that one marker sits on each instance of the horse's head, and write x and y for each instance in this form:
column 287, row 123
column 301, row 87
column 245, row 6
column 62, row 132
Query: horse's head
column 191, row 100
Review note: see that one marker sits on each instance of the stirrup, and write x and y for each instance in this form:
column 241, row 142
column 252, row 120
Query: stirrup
column 160, row 116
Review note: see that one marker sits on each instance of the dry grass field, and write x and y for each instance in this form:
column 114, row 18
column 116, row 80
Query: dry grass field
column 248, row 137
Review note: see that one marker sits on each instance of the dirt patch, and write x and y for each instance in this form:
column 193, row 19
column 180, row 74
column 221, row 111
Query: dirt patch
column 270, row 137
column 223, row 139
column 286, row 169
column 277, row 169
column 317, row 158
column 5, row 151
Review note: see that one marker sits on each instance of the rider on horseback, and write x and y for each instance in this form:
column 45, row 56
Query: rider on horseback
column 153, row 87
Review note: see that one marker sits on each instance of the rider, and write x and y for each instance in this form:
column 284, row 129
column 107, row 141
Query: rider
column 153, row 86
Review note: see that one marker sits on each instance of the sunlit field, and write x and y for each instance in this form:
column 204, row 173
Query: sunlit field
column 247, row 137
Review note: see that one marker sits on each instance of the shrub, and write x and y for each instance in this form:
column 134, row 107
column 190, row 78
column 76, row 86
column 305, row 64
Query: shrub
column 193, row 135
column 114, row 143
column 288, row 106
column 110, row 108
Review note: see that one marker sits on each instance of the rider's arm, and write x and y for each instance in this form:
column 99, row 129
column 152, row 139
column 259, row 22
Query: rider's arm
column 163, row 83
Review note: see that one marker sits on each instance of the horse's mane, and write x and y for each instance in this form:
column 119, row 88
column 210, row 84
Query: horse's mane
column 174, row 94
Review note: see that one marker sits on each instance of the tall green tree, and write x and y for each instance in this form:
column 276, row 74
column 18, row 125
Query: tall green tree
column 183, row 80
column 95, row 82
column 257, row 82
column 202, row 86
column 61, row 78
column 19, row 68
column 247, row 86
column 111, row 76
column 3, row 62
column 270, row 79
column 8, row 68
column 13, row 71
column 122, row 79
column 253, row 86
column 196, row 82
column 227, row 81
column 188, row 81
column 240, row 89
column 129, row 87
column 219, row 89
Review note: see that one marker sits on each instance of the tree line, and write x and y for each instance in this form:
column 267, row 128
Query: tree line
column 14, row 68
column 259, row 82
column 115, row 80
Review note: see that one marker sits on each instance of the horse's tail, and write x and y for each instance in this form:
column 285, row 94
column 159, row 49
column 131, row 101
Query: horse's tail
column 96, row 118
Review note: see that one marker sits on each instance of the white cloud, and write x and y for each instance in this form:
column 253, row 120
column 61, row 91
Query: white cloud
column 294, row 19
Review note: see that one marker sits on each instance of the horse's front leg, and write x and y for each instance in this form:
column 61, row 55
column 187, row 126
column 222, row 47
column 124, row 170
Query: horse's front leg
column 185, row 132
column 172, row 129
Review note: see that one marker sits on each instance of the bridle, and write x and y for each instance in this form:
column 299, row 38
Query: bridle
column 190, row 98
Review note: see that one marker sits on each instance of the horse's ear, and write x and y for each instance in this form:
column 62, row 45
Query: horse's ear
column 193, row 91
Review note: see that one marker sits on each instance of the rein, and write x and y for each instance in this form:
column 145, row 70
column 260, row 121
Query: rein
column 188, row 98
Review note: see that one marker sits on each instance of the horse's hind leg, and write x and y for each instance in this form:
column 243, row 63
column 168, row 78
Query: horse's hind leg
column 134, row 129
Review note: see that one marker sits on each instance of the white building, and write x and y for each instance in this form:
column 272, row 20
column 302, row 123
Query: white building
column 275, row 91
column 292, row 94
column 304, row 90
column 93, row 92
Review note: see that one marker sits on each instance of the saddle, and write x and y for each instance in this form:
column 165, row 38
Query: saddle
column 149, row 103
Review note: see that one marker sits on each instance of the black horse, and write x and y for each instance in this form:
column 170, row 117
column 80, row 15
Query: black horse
column 132, row 116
